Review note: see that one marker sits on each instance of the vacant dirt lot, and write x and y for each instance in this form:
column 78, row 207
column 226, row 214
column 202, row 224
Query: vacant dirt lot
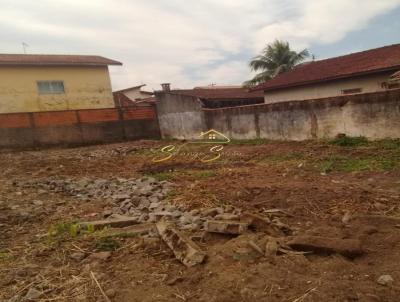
column 348, row 190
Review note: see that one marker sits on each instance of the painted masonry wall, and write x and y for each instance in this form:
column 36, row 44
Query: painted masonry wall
column 179, row 116
column 371, row 83
column 85, row 88
column 77, row 127
column 374, row 115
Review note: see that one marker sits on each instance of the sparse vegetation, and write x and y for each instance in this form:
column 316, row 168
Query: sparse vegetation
column 160, row 176
column 349, row 141
column 107, row 244
column 350, row 164
column 250, row 142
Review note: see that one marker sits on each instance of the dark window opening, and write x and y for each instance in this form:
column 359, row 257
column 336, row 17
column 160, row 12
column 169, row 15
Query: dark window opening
column 351, row 91
column 50, row 87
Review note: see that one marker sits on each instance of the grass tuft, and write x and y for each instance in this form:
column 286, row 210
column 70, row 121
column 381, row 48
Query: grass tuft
column 349, row 141
column 107, row 244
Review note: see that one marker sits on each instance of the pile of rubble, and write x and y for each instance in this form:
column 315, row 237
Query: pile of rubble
column 143, row 200
column 140, row 207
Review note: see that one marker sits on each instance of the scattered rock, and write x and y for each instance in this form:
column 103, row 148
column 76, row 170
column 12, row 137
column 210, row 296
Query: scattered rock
column 385, row 280
column 103, row 256
column 271, row 246
column 33, row 294
column 111, row 293
column 78, row 256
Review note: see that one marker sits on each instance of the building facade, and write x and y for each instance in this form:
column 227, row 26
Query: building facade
column 34, row 83
column 357, row 73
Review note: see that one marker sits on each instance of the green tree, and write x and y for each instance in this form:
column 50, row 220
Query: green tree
column 275, row 58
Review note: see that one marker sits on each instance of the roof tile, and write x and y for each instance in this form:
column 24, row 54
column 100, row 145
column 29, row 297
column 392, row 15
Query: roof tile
column 360, row 63
column 55, row 60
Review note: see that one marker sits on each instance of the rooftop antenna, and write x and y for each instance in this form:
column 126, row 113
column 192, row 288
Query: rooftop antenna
column 24, row 46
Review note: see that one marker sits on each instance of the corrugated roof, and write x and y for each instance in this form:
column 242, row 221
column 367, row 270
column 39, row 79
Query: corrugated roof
column 220, row 93
column 361, row 63
column 55, row 60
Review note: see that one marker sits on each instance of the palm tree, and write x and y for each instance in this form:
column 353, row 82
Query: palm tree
column 276, row 58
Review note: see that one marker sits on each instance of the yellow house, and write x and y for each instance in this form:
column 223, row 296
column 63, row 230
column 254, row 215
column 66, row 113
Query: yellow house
column 32, row 83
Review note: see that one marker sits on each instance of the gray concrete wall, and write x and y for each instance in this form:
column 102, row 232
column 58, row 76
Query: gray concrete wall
column 374, row 115
column 179, row 116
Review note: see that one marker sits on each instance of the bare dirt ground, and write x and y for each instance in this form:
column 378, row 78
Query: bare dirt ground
column 315, row 183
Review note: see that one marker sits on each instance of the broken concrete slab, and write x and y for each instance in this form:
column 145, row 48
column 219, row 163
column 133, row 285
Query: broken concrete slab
column 226, row 216
column 185, row 250
column 132, row 231
column 226, row 227
column 120, row 222
column 318, row 244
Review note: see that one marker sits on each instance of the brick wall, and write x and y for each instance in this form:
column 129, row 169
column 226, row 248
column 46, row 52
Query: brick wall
column 76, row 127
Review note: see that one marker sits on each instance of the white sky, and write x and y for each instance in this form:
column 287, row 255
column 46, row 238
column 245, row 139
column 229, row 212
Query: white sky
column 185, row 42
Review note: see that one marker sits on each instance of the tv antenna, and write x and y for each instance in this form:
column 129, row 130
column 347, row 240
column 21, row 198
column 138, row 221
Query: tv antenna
column 24, row 46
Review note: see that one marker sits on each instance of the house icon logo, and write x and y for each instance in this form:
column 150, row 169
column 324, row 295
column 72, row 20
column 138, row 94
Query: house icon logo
column 213, row 137
column 217, row 139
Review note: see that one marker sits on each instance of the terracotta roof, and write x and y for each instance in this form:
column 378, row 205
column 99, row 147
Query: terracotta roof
column 55, row 60
column 395, row 76
column 361, row 63
column 220, row 93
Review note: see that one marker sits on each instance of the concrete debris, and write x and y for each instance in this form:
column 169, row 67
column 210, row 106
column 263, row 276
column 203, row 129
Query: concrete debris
column 272, row 246
column 226, row 227
column 78, row 256
column 184, row 248
column 278, row 212
column 346, row 217
column 103, row 256
column 33, row 294
column 318, row 244
column 255, row 247
column 385, row 280
column 227, row 217
column 135, row 230
column 132, row 201
column 120, row 222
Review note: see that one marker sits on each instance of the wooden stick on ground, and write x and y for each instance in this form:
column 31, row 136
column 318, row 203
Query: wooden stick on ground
column 99, row 286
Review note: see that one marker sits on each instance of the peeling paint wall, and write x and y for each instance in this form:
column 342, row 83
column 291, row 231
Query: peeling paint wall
column 373, row 115
column 85, row 88
column 180, row 116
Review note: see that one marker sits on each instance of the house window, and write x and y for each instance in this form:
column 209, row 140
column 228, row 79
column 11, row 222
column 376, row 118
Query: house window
column 351, row 91
column 50, row 87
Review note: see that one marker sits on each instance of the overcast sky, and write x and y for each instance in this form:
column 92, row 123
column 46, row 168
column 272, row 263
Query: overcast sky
column 193, row 42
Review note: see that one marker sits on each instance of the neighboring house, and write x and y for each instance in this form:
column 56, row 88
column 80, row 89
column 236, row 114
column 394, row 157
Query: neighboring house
column 132, row 96
column 181, row 112
column 212, row 97
column 32, row 83
column 361, row 72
